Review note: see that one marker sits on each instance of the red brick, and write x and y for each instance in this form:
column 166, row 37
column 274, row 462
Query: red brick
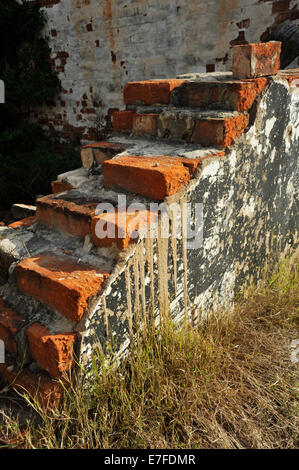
column 256, row 60
column 10, row 324
column 60, row 187
column 230, row 95
column 291, row 75
column 122, row 121
column 60, row 282
column 27, row 222
column 122, row 226
column 150, row 92
column 100, row 151
column 145, row 124
column 54, row 352
column 64, row 216
column 154, row 177
column 40, row 386
column 219, row 132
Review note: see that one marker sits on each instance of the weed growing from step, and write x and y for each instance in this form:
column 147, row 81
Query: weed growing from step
column 229, row 383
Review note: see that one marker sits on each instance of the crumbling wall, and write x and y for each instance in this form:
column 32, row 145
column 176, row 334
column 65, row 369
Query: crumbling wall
column 99, row 45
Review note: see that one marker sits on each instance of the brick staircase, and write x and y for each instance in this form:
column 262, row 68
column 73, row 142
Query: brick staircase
column 57, row 267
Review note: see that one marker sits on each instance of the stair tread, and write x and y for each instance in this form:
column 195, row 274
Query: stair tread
column 60, row 282
column 199, row 113
column 21, row 243
column 156, row 147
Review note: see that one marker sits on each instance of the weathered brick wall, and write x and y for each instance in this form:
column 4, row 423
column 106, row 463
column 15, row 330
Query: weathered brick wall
column 99, row 45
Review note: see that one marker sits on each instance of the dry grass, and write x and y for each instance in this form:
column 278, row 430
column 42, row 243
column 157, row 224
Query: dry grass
column 227, row 384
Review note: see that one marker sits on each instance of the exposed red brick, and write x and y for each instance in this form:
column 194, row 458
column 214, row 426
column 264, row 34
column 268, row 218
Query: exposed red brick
column 60, row 187
column 100, row 151
column 48, row 392
column 120, row 227
column 290, row 75
column 65, row 216
column 145, row 124
column 60, row 282
column 150, row 92
column 230, row 95
column 219, row 132
column 153, row 177
column 122, row 121
column 10, row 324
column 256, row 60
column 27, row 222
column 54, row 353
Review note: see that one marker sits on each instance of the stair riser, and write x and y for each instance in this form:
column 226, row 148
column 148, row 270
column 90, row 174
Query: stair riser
column 220, row 133
column 205, row 131
column 153, row 177
column 78, row 225
column 99, row 152
column 53, row 352
column 61, row 221
column 149, row 93
column 226, row 96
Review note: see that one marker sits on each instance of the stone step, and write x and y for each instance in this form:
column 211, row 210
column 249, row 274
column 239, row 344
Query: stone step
column 69, row 213
column 98, row 152
column 53, row 352
column 60, row 187
column 60, row 282
column 196, row 91
column 73, row 214
column 23, row 241
column 231, row 95
column 38, row 385
column 155, row 177
column 27, row 222
column 70, row 180
column 120, row 227
column 209, row 128
column 216, row 128
column 150, row 91
column 22, row 211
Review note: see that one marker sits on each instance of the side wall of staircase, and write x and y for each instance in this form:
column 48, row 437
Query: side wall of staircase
column 250, row 217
